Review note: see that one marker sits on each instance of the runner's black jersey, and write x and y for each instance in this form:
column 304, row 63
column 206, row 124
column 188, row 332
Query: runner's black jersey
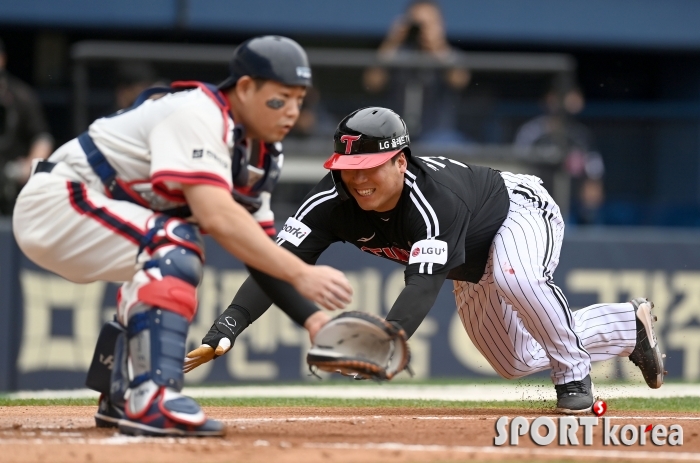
column 444, row 222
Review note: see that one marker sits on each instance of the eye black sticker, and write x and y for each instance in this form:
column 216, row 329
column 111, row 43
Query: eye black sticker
column 275, row 103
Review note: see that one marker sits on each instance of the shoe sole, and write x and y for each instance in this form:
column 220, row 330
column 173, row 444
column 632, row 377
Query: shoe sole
column 567, row 411
column 131, row 428
column 645, row 316
column 106, row 421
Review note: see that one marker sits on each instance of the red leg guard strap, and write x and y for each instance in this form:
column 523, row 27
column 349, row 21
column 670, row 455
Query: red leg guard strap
column 171, row 294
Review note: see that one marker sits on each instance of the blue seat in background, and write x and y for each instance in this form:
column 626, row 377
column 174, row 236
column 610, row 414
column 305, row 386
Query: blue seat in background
column 674, row 214
column 623, row 212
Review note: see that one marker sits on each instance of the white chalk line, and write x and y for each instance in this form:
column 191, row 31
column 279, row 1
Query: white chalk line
column 118, row 439
column 455, row 392
column 360, row 419
column 293, row 419
column 578, row 453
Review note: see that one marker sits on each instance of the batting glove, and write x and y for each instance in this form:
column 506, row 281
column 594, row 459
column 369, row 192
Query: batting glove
column 218, row 340
column 205, row 353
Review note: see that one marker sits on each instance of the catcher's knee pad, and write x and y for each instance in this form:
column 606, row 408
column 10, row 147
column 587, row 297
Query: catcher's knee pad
column 170, row 261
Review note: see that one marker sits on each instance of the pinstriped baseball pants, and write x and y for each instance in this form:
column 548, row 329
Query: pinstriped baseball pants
column 518, row 318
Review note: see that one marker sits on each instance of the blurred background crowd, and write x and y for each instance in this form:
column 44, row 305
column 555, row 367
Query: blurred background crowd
column 600, row 98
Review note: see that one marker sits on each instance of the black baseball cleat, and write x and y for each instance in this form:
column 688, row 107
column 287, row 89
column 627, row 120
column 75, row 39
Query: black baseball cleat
column 646, row 354
column 108, row 415
column 575, row 397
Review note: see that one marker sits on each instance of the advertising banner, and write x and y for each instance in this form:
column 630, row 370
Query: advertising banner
column 50, row 326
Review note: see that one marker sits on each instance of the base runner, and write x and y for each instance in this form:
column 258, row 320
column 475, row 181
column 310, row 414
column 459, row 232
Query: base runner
column 496, row 235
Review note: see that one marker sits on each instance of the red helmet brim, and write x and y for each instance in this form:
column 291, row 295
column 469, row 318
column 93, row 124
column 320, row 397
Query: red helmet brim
column 358, row 161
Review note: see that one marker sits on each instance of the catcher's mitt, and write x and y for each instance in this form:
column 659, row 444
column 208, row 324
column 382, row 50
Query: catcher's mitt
column 361, row 345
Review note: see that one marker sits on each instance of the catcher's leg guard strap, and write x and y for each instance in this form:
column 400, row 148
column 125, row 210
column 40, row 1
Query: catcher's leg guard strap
column 174, row 288
column 103, row 360
column 157, row 347
column 120, row 372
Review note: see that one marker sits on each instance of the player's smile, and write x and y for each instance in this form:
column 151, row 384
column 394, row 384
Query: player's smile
column 378, row 188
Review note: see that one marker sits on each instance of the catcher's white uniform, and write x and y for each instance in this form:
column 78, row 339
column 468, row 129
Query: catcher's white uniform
column 109, row 205
column 67, row 222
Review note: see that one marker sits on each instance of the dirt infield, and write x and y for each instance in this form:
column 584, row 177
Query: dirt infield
column 313, row 434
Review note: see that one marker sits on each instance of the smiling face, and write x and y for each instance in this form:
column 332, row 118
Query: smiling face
column 268, row 111
column 379, row 188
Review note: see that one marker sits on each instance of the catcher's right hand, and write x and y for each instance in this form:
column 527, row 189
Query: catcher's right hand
column 218, row 340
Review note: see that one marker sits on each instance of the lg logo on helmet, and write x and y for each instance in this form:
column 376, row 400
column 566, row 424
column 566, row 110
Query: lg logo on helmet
column 394, row 142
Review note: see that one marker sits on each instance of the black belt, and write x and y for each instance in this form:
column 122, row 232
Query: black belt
column 44, row 166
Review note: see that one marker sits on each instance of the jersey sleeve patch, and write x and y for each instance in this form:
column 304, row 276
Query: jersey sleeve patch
column 428, row 251
column 294, row 231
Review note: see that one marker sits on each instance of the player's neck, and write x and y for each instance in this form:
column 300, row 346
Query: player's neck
column 233, row 104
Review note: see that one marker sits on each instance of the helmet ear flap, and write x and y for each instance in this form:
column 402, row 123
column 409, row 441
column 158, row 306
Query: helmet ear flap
column 339, row 185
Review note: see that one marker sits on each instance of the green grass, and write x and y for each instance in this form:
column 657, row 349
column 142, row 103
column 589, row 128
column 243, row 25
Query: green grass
column 676, row 404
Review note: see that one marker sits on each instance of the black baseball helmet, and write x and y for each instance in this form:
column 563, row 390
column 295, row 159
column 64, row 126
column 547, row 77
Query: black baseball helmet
column 368, row 138
column 270, row 57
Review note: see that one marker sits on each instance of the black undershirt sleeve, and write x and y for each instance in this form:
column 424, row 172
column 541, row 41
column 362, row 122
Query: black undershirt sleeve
column 416, row 300
column 257, row 295
column 252, row 298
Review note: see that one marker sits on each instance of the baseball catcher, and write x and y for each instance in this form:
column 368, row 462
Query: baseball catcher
column 125, row 200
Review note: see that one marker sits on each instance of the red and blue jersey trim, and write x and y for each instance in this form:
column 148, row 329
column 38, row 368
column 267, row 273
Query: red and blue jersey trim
column 158, row 180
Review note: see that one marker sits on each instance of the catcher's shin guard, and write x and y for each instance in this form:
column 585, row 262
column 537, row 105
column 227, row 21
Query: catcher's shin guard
column 100, row 371
column 158, row 305
column 108, row 374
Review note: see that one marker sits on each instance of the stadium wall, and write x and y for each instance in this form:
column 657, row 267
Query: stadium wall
column 49, row 326
column 670, row 24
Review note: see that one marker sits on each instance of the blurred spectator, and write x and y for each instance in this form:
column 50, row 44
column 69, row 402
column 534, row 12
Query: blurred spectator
column 133, row 77
column 560, row 128
column 314, row 119
column 427, row 99
column 24, row 134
